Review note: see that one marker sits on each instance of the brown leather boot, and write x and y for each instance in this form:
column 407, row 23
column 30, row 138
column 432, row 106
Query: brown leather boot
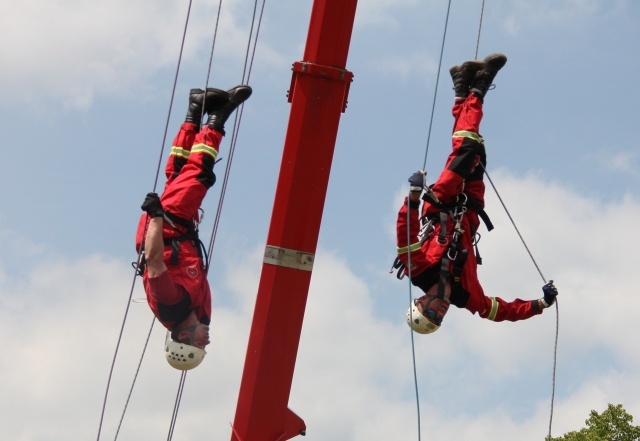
column 482, row 82
column 463, row 75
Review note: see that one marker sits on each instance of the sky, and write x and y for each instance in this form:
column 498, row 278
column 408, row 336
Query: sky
column 85, row 100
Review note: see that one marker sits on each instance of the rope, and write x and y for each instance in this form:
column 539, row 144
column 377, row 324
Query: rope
column 413, row 349
column 435, row 94
column 424, row 165
column 514, row 224
column 113, row 361
column 555, row 348
column 155, row 184
column 234, row 137
column 183, row 377
column 553, row 382
column 176, row 406
column 479, row 30
column 555, row 351
column 135, row 377
column 246, row 74
column 213, row 45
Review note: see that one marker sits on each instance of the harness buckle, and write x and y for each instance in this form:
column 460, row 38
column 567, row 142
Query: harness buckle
column 426, row 230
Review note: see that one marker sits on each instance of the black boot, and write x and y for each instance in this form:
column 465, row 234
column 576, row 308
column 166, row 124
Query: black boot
column 199, row 100
column 463, row 75
column 484, row 78
column 218, row 115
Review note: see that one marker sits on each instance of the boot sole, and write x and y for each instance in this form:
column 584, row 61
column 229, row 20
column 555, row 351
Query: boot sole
column 495, row 62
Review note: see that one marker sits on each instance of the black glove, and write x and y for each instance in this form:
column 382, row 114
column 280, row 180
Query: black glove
column 550, row 294
column 152, row 205
column 418, row 180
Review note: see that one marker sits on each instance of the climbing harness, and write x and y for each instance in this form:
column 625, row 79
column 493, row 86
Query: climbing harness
column 455, row 256
column 555, row 345
column 188, row 231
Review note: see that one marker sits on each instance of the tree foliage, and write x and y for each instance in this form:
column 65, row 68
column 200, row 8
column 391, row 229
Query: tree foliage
column 614, row 424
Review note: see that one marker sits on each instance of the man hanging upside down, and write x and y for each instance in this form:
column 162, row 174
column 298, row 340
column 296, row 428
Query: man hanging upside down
column 174, row 274
column 438, row 253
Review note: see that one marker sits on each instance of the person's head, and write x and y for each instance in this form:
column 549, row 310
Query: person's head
column 426, row 313
column 184, row 349
column 196, row 335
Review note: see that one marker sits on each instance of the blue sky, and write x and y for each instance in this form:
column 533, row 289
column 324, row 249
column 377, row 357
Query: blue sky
column 84, row 99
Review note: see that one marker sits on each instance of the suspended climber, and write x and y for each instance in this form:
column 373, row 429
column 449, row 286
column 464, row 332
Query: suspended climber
column 442, row 239
column 173, row 268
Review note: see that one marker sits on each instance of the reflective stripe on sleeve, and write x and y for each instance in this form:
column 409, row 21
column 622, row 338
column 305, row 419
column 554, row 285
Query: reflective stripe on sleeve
column 413, row 247
column 494, row 309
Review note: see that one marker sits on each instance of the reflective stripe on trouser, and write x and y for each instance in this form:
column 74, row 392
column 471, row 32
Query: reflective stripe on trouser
column 185, row 190
column 470, row 135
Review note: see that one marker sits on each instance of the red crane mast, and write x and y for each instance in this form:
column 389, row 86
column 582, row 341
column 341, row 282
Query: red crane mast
column 318, row 95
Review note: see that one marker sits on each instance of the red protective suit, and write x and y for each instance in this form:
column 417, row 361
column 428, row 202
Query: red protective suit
column 189, row 172
column 454, row 179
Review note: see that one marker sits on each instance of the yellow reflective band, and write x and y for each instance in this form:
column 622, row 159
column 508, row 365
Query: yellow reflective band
column 494, row 309
column 470, row 135
column 412, row 248
column 203, row 148
column 179, row 151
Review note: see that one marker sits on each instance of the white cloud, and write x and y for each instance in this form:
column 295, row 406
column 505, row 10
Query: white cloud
column 621, row 161
column 406, row 66
column 380, row 12
column 354, row 374
column 72, row 51
column 533, row 14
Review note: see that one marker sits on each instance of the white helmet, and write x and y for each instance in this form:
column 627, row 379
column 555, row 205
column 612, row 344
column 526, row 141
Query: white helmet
column 182, row 356
column 418, row 322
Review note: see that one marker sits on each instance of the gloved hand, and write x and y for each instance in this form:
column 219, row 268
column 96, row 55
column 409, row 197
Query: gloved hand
column 550, row 294
column 152, row 205
column 418, row 180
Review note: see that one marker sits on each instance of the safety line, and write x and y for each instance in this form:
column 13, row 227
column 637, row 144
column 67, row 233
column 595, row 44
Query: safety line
column 413, row 349
column 246, row 74
column 435, row 93
column 155, row 184
column 213, row 45
column 479, row 30
column 555, row 353
column 181, row 384
column 513, row 223
column 555, row 348
column 135, row 377
column 113, row 361
column 424, row 166
column 176, row 406
column 235, row 130
column 173, row 93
